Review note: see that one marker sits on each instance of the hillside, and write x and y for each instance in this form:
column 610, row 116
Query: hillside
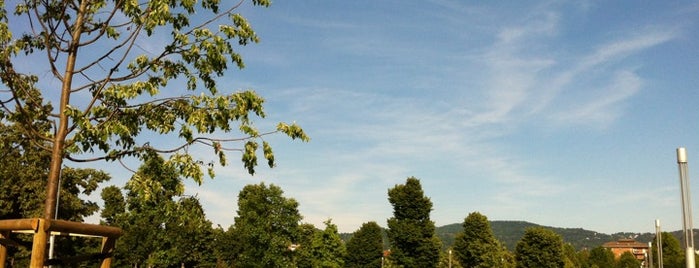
column 509, row 232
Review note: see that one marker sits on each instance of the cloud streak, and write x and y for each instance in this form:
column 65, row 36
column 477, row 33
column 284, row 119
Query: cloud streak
column 443, row 105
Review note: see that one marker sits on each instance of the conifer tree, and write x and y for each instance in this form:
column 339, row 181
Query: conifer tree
column 411, row 233
column 476, row 246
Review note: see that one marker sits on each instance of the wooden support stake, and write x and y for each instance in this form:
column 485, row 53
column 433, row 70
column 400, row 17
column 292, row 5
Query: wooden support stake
column 3, row 248
column 39, row 245
column 108, row 244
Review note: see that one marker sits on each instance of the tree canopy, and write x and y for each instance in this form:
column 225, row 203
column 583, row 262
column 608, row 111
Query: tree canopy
column 325, row 249
column 365, row 248
column 476, row 245
column 602, row 257
column 22, row 169
column 267, row 226
column 628, row 260
column 540, row 248
column 673, row 255
column 162, row 227
column 411, row 233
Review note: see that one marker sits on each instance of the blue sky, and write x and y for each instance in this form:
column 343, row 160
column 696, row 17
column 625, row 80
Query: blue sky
column 561, row 113
column 564, row 114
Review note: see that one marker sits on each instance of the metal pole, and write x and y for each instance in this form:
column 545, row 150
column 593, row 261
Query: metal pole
column 650, row 255
column 52, row 238
column 659, row 243
column 686, row 208
column 450, row 258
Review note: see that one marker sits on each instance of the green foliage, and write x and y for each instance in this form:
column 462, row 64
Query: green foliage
column 225, row 247
column 628, row 260
column 540, row 248
column 510, row 232
column 673, row 255
column 476, row 246
column 448, row 260
column 267, row 225
column 302, row 254
column 602, row 257
column 326, row 249
column 583, row 257
column 161, row 227
column 571, row 257
column 23, row 167
column 365, row 248
column 21, row 192
column 411, row 233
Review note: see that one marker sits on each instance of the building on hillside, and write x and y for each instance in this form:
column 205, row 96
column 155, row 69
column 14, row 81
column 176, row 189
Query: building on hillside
column 638, row 249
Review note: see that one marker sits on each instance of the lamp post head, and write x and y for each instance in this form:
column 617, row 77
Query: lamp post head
column 681, row 155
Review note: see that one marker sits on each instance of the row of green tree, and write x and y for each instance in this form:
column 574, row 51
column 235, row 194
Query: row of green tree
column 165, row 228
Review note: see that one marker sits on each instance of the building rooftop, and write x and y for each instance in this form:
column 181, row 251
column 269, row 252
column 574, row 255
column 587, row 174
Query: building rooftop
column 625, row 243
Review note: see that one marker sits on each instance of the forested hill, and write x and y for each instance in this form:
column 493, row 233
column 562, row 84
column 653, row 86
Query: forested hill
column 509, row 232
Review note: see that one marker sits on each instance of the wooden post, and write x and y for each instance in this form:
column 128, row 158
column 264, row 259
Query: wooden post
column 39, row 245
column 108, row 244
column 3, row 248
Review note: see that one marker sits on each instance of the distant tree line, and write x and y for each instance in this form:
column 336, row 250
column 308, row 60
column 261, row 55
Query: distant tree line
column 165, row 228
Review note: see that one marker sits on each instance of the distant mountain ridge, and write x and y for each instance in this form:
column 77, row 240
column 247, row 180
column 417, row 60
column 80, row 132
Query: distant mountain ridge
column 510, row 232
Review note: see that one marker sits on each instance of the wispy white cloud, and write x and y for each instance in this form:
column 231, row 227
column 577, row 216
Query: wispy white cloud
column 527, row 79
column 367, row 138
column 605, row 109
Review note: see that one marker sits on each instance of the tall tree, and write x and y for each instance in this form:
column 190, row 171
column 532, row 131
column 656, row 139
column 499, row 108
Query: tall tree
column 539, row 248
column 111, row 80
column 267, row 224
column 110, row 97
column 411, row 233
column 476, row 245
column 365, row 247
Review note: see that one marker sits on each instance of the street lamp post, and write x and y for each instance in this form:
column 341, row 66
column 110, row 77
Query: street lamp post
column 450, row 258
column 659, row 243
column 686, row 208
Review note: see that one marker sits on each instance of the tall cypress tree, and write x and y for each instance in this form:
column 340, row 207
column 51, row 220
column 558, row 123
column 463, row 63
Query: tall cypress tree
column 365, row 248
column 410, row 230
column 476, row 245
